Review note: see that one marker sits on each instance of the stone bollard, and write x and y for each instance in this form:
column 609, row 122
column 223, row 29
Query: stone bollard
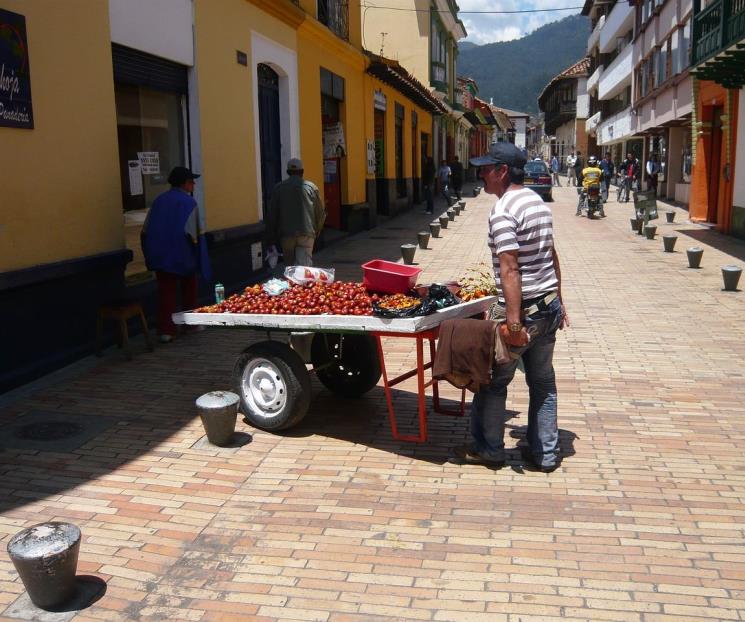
column 451, row 213
column 668, row 242
column 444, row 221
column 423, row 239
column 694, row 256
column 462, row 206
column 434, row 229
column 407, row 252
column 670, row 216
column 46, row 558
column 650, row 231
column 731, row 276
column 476, row 191
column 640, row 226
column 218, row 411
column 634, row 224
column 456, row 207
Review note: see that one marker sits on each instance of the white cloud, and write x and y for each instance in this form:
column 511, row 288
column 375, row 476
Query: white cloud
column 488, row 28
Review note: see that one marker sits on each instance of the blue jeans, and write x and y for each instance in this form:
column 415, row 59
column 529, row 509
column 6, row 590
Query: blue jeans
column 429, row 198
column 445, row 192
column 488, row 410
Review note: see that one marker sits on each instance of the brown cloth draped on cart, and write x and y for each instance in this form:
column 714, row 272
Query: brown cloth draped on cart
column 466, row 351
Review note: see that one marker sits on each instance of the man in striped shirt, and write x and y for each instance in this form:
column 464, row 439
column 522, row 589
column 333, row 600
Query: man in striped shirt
column 526, row 268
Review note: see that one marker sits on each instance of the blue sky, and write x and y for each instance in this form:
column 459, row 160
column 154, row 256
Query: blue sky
column 489, row 28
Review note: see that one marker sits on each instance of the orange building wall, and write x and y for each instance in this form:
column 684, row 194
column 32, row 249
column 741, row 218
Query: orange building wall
column 711, row 95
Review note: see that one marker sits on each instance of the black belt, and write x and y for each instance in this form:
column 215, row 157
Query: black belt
column 533, row 305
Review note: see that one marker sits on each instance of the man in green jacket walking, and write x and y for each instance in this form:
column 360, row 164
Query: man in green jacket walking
column 296, row 216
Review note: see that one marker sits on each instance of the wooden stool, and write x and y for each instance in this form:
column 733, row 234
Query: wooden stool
column 121, row 312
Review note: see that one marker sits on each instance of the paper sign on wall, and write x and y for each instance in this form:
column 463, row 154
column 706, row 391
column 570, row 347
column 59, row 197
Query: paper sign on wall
column 150, row 162
column 135, row 177
column 370, row 156
column 334, row 145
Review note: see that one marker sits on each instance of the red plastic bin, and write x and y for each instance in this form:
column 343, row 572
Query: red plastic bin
column 388, row 276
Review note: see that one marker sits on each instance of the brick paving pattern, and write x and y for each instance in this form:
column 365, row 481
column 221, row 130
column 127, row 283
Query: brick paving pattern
column 334, row 521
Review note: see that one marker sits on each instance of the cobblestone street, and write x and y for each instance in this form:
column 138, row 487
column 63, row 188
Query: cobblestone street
column 334, row 521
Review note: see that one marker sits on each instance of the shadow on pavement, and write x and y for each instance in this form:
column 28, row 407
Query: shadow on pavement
column 726, row 244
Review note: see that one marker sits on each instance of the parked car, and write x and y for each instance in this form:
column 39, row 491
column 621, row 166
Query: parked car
column 538, row 179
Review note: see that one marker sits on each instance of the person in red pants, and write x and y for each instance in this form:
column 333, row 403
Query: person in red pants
column 170, row 243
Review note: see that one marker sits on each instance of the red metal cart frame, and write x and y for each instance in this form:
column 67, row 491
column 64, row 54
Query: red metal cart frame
column 422, row 384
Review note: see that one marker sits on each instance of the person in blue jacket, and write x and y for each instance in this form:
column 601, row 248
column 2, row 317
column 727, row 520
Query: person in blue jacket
column 170, row 243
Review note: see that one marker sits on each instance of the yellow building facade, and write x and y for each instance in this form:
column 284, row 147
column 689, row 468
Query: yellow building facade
column 235, row 89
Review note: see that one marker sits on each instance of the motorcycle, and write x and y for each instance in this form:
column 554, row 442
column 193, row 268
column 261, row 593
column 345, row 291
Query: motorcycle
column 593, row 201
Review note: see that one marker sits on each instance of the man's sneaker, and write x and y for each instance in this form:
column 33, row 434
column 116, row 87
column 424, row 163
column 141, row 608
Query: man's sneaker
column 464, row 455
column 165, row 338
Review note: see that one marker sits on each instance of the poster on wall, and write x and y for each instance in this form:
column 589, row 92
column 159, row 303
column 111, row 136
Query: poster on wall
column 370, row 157
column 333, row 141
column 135, row 177
column 150, row 162
column 15, row 73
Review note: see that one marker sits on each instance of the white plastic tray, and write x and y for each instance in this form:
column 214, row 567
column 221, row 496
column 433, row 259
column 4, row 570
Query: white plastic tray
column 335, row 323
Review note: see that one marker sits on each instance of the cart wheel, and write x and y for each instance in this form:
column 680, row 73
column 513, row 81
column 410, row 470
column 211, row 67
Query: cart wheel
column 273, row 384
column 347, row 365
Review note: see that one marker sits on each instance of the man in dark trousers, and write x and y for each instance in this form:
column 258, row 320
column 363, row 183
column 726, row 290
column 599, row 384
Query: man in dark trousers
column 296, row 216
column 170, row 239
column 579, row 164
column 456, row 177
column 526, row 269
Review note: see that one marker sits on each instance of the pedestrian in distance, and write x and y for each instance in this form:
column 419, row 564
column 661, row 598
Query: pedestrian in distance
column 296, row 216
column 630, row 171
column 526, row 268
column 579, row 165
column 653, row 171
column 555, row 168
column 456, row 177
column 608, row 169
column 443, row 175
column 428, row 183
column 173, row 248
column 571, row 174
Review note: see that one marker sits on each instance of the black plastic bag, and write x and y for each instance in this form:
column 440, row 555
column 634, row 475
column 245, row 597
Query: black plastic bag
column 438, row 298
column 415, row 311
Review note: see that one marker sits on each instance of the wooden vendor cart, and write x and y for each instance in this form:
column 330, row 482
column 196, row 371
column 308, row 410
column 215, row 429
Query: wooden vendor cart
column 346, row 354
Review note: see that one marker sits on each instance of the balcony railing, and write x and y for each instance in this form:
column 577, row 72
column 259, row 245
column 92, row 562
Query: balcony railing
column 720, row 25
column 335, row 15
column 558, row 115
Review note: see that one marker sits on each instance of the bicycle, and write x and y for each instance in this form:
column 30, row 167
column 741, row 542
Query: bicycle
column 624, row 190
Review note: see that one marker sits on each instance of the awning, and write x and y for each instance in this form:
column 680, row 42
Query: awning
column 394, row 75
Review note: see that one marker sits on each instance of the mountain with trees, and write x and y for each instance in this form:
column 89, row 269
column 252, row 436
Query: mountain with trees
column 513, row 73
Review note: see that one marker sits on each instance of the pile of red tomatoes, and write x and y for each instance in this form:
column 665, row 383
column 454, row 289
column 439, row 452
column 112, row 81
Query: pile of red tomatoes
column 337, row 298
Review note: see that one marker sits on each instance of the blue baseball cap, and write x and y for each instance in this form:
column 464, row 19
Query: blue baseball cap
column 501, row 153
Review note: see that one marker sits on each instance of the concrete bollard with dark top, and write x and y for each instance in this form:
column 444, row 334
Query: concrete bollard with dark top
column 456, row 207
column 694, row 256
column 444, row 220
column 731, row 276
column 670, row 216
column 451, row 213
column 434, row 229
column 668, row 242
column 462, row 206
column 634, row 224
column 476, row 191
column 423, row 239
column 218, row 411
column 650, row 231
column 46, row 558
column 407, row 253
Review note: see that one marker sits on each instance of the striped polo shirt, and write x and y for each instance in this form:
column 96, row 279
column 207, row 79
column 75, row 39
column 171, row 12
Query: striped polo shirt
column 521, row 221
